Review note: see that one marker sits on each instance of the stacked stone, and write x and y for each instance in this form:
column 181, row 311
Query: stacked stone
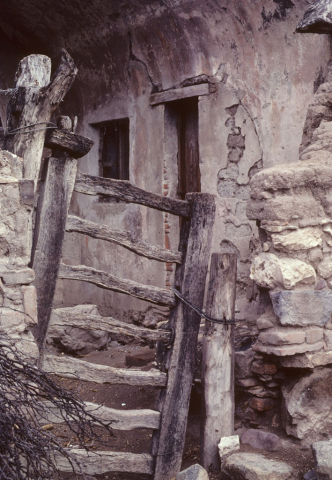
column 18, row 307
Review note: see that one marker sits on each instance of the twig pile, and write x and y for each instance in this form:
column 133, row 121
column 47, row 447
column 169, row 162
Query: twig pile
column 27, row 394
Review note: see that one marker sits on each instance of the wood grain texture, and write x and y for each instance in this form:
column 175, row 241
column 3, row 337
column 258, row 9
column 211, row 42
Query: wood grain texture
column 119, row 419
column 97, row 463
column 32, row 104
column 217, row 418
column 76, row 145
column 72, row 368
column 64, row 317
column 175, row 402
column 124, row 190
column 121, row 237
column 179, row 93
column 51, row 217
column 157, row 295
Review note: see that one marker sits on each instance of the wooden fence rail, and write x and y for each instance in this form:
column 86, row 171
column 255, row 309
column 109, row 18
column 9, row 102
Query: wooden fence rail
column 63, row 317
column 157, row 295
column 72, row 368
column 119, row 419
column 124, row 190
column 121, row 237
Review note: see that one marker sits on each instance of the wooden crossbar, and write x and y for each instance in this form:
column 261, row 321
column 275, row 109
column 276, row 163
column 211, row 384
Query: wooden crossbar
column 72, row 368
column 157, row 295
column 121, row 237
column 124, row 190
column 64, row 317
column 97, row 463
column 119, row 419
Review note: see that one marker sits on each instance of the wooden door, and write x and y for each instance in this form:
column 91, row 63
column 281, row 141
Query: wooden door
column 188, row 148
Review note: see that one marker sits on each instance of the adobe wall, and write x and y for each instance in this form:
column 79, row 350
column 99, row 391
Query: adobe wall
column 263, row 77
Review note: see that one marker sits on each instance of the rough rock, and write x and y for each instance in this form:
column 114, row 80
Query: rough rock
column 270, row 271
column 308, row 405
column 253, row 466
column 261, row 440
column 141, row 359
column 267, row 319
column 322, row 452
column 285, row 350
column 307, row 360
column 302, row 239
column 76, row 339
column 303, row 307
column 23, row 276
column 282, row 336
column 262, row 404
column 264, row 368
column 228, row 445
column 195, row 472
column 243, row 362
column 311, row 475
column 324, row 268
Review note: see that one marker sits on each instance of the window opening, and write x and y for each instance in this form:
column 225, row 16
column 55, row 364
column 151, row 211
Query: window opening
column 114, row 149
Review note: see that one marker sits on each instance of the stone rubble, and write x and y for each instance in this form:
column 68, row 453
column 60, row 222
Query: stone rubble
column 18, row 302
column 261, row 440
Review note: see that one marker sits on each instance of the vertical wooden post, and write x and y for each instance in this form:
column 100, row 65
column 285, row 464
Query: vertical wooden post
column 52, row 216
column 32, row 102
column 186, row 322
column 218, row 360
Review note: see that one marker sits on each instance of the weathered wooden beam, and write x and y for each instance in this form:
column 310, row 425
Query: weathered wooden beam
column 76, row 145
column 124, row 190
column 119, row 419
column 217, row 418
column 121, row 237
column 31, row 104
column 174, row 403
column 97, row 463
column 64, row 317
column 157, row 295
column 72, row 368
column 179, row 94
column 52, row 211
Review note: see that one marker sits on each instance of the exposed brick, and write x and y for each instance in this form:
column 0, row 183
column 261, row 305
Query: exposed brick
column 279, row 337
column 314, row 335
column 167, row 242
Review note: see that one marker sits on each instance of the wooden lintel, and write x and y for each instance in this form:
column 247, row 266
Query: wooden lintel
column 76, row 145
column 179, row 93
column 72, row 368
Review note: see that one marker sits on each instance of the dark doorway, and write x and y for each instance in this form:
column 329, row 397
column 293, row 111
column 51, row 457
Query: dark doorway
column 186, row 112
column 114, row 149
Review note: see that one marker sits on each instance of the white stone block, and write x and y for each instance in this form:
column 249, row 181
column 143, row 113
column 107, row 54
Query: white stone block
column 228, row 445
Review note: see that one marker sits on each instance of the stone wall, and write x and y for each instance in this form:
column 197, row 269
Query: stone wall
column 293, row 263
column 18, row 306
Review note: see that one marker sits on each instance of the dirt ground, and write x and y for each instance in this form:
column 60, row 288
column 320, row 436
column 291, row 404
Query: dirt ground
column 139, row 441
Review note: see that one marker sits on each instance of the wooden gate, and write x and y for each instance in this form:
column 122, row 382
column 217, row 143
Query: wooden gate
column 197, row 210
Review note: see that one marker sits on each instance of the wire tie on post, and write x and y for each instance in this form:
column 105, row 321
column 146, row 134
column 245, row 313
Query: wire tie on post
column 201, row 313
